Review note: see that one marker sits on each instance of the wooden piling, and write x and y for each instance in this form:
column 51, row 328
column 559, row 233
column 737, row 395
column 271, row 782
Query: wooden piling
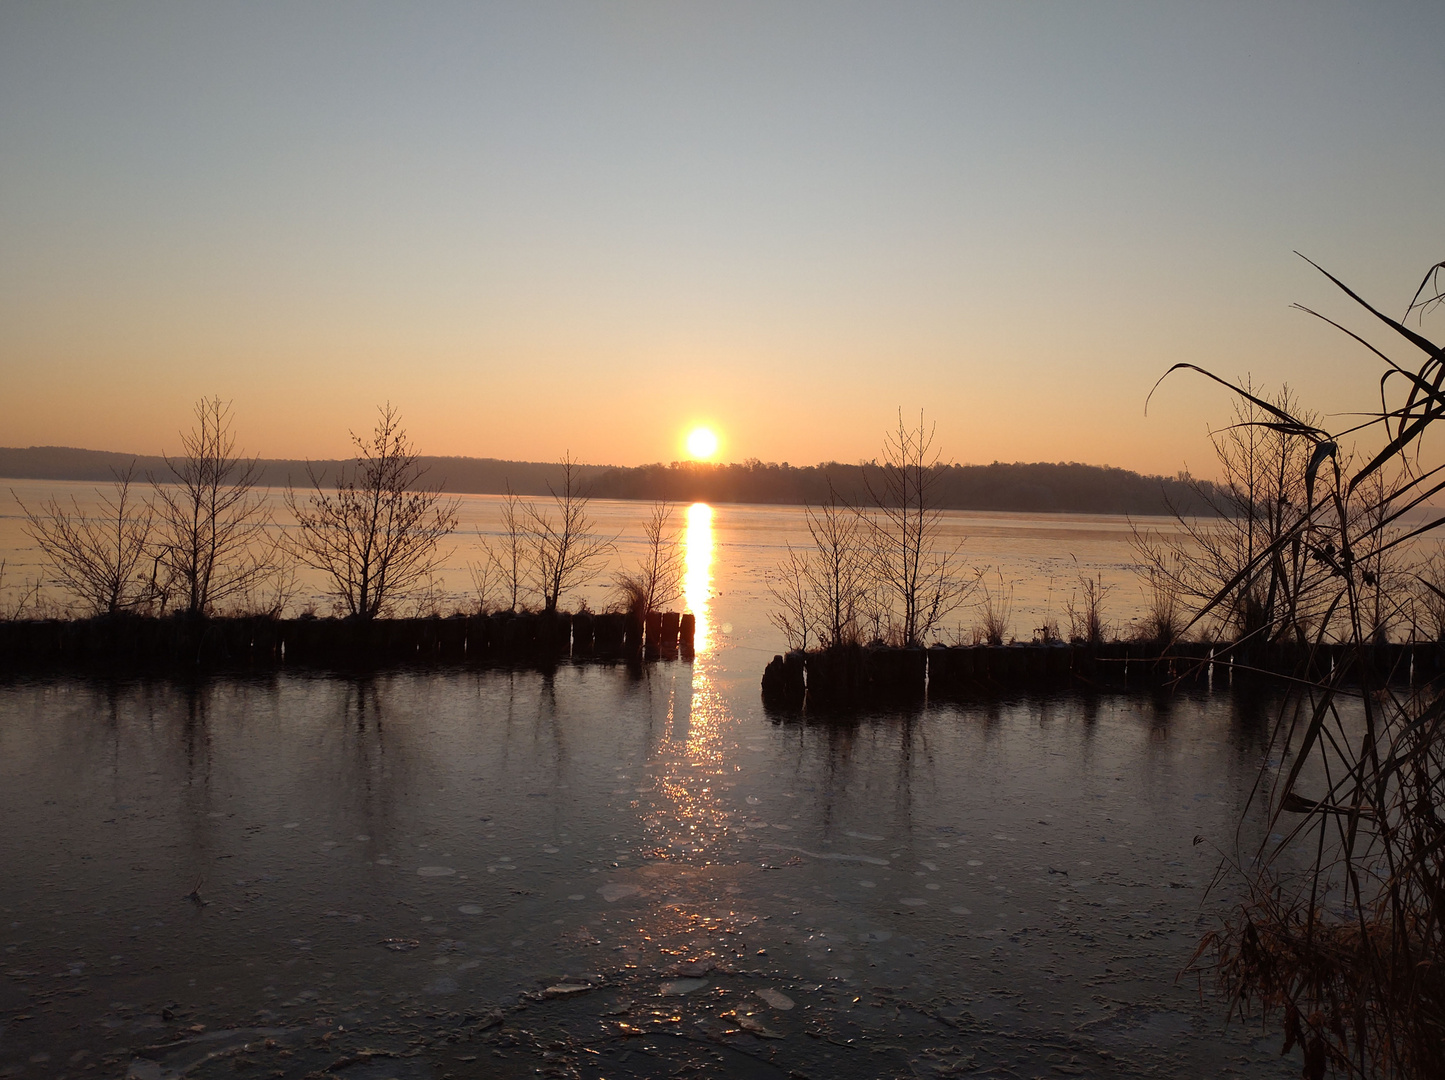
column 667, row 642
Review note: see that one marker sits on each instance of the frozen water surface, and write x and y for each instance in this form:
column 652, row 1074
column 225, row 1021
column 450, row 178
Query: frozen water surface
column 667, row 919
column 598, row 872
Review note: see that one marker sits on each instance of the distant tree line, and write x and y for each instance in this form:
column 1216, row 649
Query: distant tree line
column 1044, row 487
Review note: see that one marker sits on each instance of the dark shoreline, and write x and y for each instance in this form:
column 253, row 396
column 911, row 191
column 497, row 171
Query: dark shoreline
column 135, row 644
column 863, row 676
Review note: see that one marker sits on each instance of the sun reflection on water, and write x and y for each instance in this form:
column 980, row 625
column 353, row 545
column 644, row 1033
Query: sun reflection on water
column 691, row 820
column 690, row 816
column 697, row 576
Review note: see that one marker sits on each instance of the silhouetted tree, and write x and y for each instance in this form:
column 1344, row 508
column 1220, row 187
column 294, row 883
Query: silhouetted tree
column 99, row 558
column 918, row 573
column 794, row 607
column 377, row 536
column 507, row 557
column 565, row 551
column 657, row 580
column 837, row 572
column 210, row 525
column 1251, row 545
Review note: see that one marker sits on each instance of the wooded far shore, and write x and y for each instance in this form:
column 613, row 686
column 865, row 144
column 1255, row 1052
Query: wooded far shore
column 1043, row 487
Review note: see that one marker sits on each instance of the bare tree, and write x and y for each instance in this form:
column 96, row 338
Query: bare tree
column 210, row 523
column 484, row 580
column 1259, row 498
column 823, row 594
column 837, row 574
column 1254, row 546
column 657, row 580
column 1430, row 575
column 377, row 537
column 565, row 550
column 99, row 558
column 793, row 610
column 507, row 559
column 919, row 574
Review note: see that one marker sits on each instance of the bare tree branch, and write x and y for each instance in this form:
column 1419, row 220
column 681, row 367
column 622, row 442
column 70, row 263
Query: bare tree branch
column 918, row 573
column 377, row 537
column 565, row 551
column 100, row 559
column 657, row 580
column 210, row 522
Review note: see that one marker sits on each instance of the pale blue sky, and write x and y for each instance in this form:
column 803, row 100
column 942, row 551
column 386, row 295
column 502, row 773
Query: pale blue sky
column 538, row 227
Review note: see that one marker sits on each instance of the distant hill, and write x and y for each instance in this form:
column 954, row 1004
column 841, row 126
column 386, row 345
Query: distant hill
column 1044, row 487
column 1064, row 487
column 479, row 476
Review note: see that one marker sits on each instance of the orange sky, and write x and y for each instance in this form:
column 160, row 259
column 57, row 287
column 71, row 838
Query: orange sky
column 546, row 228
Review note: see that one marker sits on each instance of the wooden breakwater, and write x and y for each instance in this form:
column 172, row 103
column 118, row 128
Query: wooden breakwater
column 867, row 675
column 137, row 643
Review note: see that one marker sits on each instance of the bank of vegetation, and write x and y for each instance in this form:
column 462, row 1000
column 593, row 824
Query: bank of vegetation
column 1232, row 582
column 1341, row 940
column 1318, row 577
column 187, row 566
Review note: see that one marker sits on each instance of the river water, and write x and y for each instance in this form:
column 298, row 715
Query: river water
column 602, row 872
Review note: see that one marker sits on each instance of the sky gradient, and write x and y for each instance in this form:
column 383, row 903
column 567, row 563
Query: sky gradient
column 546, row 227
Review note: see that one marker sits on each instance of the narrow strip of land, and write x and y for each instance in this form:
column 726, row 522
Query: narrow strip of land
column 1041, row 487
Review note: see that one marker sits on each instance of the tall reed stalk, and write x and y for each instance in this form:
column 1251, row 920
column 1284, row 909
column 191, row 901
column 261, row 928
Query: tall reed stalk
column 1341, row 939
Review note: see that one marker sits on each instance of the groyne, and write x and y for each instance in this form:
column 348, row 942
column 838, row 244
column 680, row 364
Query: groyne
column 882, row 675
column 143, row 644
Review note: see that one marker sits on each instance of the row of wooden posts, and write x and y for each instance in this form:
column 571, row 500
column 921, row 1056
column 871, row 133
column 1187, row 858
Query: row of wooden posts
column 143, row 643
column 880, row 675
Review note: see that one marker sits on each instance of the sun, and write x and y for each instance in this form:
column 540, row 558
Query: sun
column 701, row 443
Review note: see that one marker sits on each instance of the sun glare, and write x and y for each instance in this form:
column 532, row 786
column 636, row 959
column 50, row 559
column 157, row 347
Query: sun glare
column 697, row 575
column 702, row 443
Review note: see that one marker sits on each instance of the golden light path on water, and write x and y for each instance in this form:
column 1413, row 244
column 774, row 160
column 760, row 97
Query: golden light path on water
column 691, row 823
column 697, row 573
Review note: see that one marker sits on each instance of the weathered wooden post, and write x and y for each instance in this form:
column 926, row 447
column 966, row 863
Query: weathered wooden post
column 794, row 685
column 667, row 644
column 610, row 634
column 582, row 634
column 782, row 684
column 633, row 636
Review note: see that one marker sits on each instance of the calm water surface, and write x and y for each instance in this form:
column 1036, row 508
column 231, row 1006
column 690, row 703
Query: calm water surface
column 387, row 874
